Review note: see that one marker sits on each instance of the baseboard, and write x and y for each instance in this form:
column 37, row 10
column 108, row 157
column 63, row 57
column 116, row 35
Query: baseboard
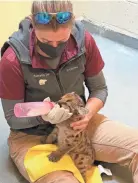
column 110, row 34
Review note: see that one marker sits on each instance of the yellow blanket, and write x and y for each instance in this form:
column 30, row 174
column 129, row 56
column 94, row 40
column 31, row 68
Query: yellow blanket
column 38, row 165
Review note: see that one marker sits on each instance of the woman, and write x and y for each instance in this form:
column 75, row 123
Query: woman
column 51, row 54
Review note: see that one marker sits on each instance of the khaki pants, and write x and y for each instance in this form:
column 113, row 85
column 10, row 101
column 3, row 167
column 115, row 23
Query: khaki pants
column 113, row 143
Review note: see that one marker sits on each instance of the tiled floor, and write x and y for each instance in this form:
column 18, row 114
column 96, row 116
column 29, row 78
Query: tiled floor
column 121, row 72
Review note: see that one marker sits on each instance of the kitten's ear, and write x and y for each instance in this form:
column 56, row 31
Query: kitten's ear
column 82, row 110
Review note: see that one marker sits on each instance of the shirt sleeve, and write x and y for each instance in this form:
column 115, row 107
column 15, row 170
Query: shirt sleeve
column 97, row 87
column 18, row 123
column 11, row 77
column 94, row 77
column 12, row 91
column 94, row 61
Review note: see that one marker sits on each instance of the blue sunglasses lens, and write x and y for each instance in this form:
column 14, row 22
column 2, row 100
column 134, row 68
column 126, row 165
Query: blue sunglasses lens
column 42, row 18
column 63, row 17
column 45, row 18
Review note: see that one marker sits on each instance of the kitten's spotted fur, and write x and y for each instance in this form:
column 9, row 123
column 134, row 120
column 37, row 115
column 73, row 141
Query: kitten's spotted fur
column 77, row 144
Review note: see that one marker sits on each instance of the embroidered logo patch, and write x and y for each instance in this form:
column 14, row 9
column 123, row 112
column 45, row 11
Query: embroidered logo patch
column 42, row 81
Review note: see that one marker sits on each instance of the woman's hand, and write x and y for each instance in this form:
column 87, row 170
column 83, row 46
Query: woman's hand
column 81, row 124
column 93, row 105
column 57, row 114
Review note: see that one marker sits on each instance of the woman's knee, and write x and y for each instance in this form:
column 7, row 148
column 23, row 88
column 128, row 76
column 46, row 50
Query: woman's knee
column 58, row 177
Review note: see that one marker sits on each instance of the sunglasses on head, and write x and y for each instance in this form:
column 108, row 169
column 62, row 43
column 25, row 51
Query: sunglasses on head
column 45, row 18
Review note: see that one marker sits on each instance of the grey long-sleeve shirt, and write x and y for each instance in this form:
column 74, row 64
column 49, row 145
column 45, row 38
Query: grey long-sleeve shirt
column 96, row 86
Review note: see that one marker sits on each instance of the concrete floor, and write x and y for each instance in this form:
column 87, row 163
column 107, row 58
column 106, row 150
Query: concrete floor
column 121, row 72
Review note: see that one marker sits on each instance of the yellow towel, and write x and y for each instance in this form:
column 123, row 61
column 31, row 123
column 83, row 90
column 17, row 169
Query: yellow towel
column 37, row 165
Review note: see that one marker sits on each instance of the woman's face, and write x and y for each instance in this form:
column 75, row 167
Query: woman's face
column 52, row 40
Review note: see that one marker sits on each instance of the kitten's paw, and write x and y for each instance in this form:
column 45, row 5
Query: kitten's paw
column 53, row 157
column 84, row 177
column 43, row 140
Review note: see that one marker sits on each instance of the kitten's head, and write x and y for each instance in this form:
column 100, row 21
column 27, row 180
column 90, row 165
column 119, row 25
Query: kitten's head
column 74, row 103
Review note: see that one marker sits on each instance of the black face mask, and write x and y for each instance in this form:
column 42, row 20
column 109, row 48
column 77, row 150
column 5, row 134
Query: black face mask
column 53, row 52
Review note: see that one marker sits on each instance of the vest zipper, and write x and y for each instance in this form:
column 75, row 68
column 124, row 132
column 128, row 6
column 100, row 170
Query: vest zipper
column 60, row 86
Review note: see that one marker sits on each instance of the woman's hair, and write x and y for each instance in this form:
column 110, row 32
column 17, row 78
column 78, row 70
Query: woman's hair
column 52, row 6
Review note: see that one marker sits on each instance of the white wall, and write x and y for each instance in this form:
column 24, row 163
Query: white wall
column 11, row 13
column 118, row 15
